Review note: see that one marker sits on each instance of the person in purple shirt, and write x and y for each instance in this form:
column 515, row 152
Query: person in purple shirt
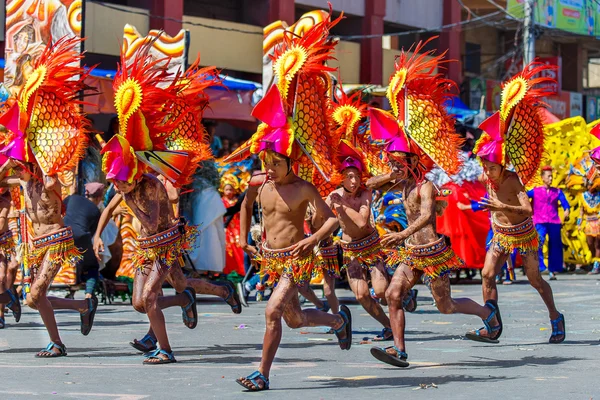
column 546, row 201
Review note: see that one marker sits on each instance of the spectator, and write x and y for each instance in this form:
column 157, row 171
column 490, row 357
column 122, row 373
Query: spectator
column 83, row 215
column 215, row 142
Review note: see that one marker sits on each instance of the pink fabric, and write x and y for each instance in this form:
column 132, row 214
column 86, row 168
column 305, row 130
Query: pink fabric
column 545, row 205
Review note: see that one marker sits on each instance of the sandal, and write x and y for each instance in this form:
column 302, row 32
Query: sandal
column 141, row 346
column 91, row 311
column 411, row 298
column 556, row 332
column 237, row 306
column 476, row 335
column 252, row 378
column 14, row 302
column 398, row 360
column 385, row 335
column 325, row 307
column 156, row 356
column 191, row 294
column 2, row 323
column 62, row 351
column 345, row 343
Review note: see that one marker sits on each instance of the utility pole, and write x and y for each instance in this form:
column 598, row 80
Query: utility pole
column 528, row 32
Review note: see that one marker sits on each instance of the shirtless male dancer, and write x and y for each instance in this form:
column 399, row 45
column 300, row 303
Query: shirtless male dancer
column 8, row 262
column 224, row 290
column 360, row 242
column 287, row 256
column 521, row 144
column 52, row 248
column 415, row 138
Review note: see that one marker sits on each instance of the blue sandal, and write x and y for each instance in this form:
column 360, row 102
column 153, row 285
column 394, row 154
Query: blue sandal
column 62, row 351
column 156, row 356
column 398, row 360
column 141, row 346
column 237, row 307
column 556, row 332
column 496, row 331
column 385, row 335
column 14, row 302
column 190, row 322
column 412, row 297
column 325, row 307
column 345, row 343
column 253, row 379
column 91, row 311
column 2, row 323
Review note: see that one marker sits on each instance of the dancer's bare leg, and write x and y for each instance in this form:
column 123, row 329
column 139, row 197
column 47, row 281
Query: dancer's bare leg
column 379, row 281
column 442, row 294
column 494, row 260
column 329, row 291
column 403, row 280
column 310, row 295
column 531, row 266
column 357, row 278
column 284, row 304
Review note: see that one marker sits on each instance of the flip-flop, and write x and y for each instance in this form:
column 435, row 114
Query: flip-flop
column 62, row 351
column 399, row 360
column 476, row 335
column 92, row 308
column 140, row 346
column 191, row 293
column 155, row 356
column 345, row 343
column 253, row 379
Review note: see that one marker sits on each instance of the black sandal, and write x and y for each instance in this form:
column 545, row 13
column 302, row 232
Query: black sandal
column 385, row 335
column 141, row 346
column 476, row 335
column 412, row 297
column 398, row 360
column 191, row 294
column 62, row 351
column 253, row 380
column 14, row 305
column 556, row 332
column 91, row 311
column 237, row 307
column 345, row 343
column 156, row 356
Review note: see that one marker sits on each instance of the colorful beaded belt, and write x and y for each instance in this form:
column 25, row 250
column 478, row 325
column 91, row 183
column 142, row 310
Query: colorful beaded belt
column 361, row 244
column 427, row 250
column 514, row 230
column 55, row 237
column 164, row 238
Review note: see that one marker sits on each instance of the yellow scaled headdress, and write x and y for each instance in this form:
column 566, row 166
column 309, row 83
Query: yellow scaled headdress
column 45, row 124
column 295, row 112
column 159, row 119
column 419, row 122
column 515, row 134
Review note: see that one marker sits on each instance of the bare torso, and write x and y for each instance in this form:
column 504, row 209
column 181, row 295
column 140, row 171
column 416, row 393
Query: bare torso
column 361, row 201
column 283, row 208
column 507, row 192
column 43, row 206
column 150, row 204
column 412, row 197
column 4, row 211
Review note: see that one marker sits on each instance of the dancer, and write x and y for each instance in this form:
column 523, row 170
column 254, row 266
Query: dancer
column 588, row 211
column 8, row 260
column 412, row 146
column 515, row 135
column 295, row 130
column 160, row 127
column 545, row 200
column 42, row 148
column 234, row 255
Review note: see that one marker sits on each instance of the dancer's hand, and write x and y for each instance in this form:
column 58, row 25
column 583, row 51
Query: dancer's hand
column 491, row 204
column 304, row 246
column 393, row 239
column 566, row 216
column 98, row 247
column 250, row 250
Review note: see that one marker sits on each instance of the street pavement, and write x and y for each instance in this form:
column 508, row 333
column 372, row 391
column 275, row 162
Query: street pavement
column 309, row 363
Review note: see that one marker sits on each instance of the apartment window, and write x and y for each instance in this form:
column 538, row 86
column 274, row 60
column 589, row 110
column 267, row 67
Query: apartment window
column 473, row 58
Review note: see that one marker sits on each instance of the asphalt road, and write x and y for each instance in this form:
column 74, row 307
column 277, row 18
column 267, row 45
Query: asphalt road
column 309, row 364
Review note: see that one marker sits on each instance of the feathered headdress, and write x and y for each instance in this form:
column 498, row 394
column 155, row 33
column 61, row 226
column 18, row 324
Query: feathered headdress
column 419, row 122
column 295, row 111
column 159, row 119
column 515, row 134
column 45, row 124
